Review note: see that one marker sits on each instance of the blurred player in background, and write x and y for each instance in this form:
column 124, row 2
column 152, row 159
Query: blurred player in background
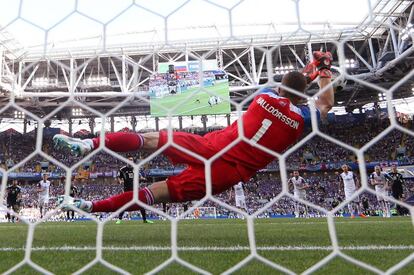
column 214, row 100
column 126, row 177
column 299, row 192
column 239, row 197
column 397, row 181
column 43, row 191
column 379, row 181
column 275, row 119
column 14, row 193
column 196, row 213
column 350, row 184
column 74, row 192
column 365, row 205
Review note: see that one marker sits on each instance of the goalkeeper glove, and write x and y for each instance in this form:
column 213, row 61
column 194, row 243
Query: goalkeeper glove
column 320, row 66
column 310, row 72
column 323, row 63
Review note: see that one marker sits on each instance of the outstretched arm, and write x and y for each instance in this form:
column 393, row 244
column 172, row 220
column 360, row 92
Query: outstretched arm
column 340, row 180
column 290, row 184
column 325, row 101
column 373, row 181
column 321, row 67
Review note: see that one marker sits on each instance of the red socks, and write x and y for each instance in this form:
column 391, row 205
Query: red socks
column 121, row 141
column 114, row 203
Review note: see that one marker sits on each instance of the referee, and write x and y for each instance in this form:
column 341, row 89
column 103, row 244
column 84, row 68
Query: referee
column 13, row 199
column 397, row 182
column 126, row 177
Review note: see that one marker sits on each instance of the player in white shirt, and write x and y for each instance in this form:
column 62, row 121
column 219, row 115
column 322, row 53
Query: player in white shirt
column 239, row 197
column 43, row 190
column 350, row 184
column 379, row 180
column 299, row 191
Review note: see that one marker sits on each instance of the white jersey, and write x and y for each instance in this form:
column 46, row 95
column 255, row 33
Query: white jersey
column 44, row 188
column 298, row 187
column 298, row 183
column 239, row 195
column 381, row 181
column 238, row 189
column 349, row 184
column 349, row 181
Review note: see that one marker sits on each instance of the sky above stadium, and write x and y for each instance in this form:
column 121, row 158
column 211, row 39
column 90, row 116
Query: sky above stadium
column 186, row 19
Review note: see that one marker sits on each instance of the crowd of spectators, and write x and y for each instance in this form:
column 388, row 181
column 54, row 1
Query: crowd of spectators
column 324, row 191
column 395, row 145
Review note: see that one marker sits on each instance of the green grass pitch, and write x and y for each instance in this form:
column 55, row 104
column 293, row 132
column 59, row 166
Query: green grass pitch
column 190, row 106
column 141, row 247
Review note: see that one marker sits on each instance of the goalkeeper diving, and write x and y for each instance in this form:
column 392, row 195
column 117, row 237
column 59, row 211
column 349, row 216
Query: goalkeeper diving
column 275, row 119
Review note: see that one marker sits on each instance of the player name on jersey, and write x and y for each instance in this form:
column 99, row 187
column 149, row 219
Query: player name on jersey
column 276, row 113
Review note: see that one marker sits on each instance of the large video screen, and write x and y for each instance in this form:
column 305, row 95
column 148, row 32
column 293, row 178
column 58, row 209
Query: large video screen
column 168, row 90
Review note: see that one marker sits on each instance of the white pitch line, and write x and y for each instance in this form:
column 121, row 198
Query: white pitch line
column 52, row 225
column 340, row 222
column 321, row 222
column 211, row 248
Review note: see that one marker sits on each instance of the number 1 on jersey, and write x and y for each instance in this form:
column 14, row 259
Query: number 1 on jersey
column 265, row 126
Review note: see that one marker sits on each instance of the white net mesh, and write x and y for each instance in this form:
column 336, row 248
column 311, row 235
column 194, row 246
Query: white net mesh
column 55, row 71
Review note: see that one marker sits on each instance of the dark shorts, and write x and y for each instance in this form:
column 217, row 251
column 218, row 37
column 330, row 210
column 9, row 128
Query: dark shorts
column 397, row 193
column 191, row 183
column 13, row 205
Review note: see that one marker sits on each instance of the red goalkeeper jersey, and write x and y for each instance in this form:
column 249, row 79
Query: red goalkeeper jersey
column 271, row 121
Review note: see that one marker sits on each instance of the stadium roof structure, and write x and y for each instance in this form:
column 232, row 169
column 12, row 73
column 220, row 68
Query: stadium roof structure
column 375, row 44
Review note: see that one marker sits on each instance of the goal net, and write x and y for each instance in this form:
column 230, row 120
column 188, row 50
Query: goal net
column 87, row 68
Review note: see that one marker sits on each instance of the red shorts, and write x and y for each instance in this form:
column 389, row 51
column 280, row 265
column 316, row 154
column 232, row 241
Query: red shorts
column 191, row 183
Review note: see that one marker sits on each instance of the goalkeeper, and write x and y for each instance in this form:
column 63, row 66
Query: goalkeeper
column 274, row 120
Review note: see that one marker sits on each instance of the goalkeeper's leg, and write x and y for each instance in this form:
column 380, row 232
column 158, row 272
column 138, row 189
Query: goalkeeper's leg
column 118, row 142
column 186, row 186
column 156, row 193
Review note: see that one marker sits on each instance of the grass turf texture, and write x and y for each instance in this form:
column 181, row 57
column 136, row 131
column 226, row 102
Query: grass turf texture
column 210, row 233
column 189, row 106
